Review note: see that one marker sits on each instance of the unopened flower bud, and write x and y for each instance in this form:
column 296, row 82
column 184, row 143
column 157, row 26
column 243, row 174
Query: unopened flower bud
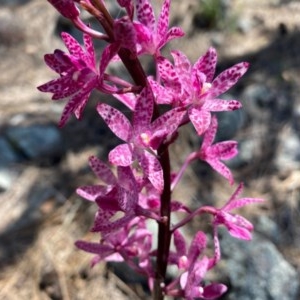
column 124, row 3
column 66, row 8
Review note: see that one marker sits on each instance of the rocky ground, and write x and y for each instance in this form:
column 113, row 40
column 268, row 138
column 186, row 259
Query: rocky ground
column 41, row 166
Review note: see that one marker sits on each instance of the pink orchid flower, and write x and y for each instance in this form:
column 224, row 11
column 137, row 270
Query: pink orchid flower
column 183, row 258
column 195, row 88
column 119, row 195
column 213, row 153
column 129, row 242
column 152, row 37
column 238, row 226
column 78, row 75
column 192, row 283
column 191, row 280
column 142, row 137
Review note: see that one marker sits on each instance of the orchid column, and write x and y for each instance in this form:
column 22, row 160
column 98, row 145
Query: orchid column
column 141, row 187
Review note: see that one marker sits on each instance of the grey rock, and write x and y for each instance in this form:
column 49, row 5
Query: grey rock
column 258, row 101
column 7, row 153
column 257, row 270
column 245, row 25
column 247, row 149
column 267, row 227
column 217, row 39
column 14, row 2
column 288, row 150
column 11, row 32
column 36, row 141
column 229, row 123
column 7, row 178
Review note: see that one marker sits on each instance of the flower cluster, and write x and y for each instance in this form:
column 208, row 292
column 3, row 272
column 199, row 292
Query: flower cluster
column 137, row 182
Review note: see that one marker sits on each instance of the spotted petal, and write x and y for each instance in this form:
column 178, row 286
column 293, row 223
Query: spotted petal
column 92, row 192
column 207, row 64
column 143, row 110
column 121, row 155
column 221, row 105
column 116, row 121
column 73, row 46
column 221, row 168
column 227, row 79
column 200, row 119
column 152, row 169
column 72, row 105
column 173, row 33
column 163, row 20
column 102, row 171
column 145, row 14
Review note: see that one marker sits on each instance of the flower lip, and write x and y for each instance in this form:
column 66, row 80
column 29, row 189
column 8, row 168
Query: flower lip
column 145, row 138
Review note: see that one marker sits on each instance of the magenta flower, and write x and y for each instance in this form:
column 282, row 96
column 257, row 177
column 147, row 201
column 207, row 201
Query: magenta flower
column 78, row 75
column 142, row 137
column 151, row 37
column 103, row 172
column 212, row 154
column 238, row 226
column 194, row 87
column 120, row 194
column 183, row 258
column 130, row 242
column 192, row 282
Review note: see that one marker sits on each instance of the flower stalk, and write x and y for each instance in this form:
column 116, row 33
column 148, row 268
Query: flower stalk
column 164, row 234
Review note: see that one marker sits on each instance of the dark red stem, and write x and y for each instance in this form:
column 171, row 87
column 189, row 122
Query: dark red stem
column 164, row 234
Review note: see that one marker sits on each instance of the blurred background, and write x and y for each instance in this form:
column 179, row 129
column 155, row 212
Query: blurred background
column 41, row 165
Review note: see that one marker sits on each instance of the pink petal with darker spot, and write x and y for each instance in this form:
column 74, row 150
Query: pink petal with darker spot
column 163, row 20
column 221, row 105
column 102, row 171
column 224, row 150
column 73, row 46
column 71, row 107
column 116, row 121
column 227, row 79
column 210, row 134
column 121, row 155
column 152, row 169
column 145, row 14
column 90, row 56
column 143, row 110
column 220, row 168
column 200, row 119
column 207, row 64
column 92, row 192
column 173, row 33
